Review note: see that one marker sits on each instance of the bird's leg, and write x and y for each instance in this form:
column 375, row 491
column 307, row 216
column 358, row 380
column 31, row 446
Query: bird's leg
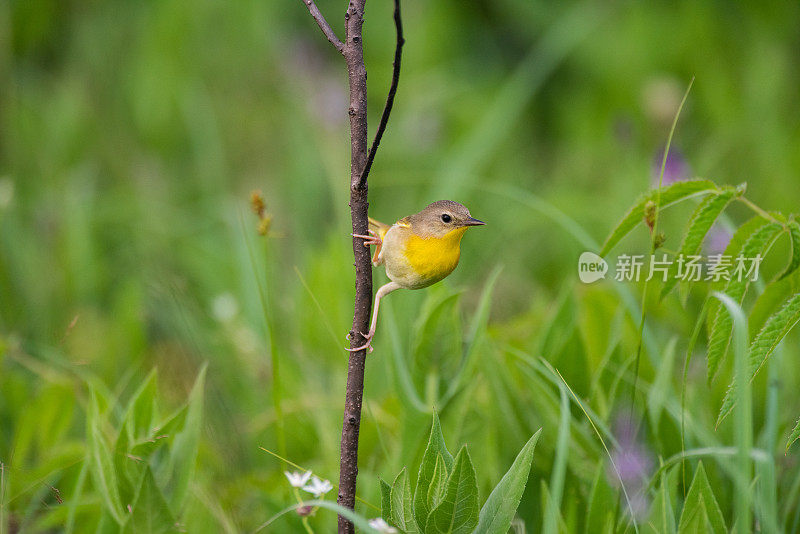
column 382, row 292
column 371, row 239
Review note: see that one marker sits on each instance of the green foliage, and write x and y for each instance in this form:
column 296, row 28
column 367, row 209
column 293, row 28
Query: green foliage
column 767, row 340
column 668, row 196
column 701, row 508
column 499, row 509
column 132, row 134
column 719, row 338
column 794, row 233
column 794, row 436
column 699, row 224
column 147, row 448
column 446, row 494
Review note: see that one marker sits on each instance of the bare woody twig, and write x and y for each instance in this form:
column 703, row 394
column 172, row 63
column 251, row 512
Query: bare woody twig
column 323, row 24
column 387, row 109
column 360, row 164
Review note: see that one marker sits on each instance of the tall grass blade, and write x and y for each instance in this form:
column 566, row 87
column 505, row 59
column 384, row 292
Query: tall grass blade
column 744, row 415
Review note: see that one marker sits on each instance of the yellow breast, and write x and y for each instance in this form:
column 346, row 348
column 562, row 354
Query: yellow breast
column 433, row 258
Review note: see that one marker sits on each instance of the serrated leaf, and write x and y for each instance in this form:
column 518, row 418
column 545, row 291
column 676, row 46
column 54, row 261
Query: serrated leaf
column 499, row 509
column 402, row 515
column 720, row 336
column 738, row 239
column 764, row 344
column 794, row 436
column 150, row 513
column 436, row 447
column 794, row 262
column 386, row 500
column 701, row 501
column 457, row 513
column 102, row 464
column 669, row 195
column 699, row 224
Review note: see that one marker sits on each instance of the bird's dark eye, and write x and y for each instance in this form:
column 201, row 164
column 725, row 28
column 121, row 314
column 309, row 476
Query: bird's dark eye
column 446, row 218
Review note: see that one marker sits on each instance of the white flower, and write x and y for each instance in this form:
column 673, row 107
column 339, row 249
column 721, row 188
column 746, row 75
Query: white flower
column 318, row 487
column 224, row 307
column 382, row 526
column 296, row 479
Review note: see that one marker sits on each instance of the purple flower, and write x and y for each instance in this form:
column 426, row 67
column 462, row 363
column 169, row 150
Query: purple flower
column 633, row 462
column 675, row 168
column 717, row 240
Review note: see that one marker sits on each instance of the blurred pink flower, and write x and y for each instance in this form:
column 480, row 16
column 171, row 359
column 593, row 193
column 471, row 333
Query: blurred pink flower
column 675, row 168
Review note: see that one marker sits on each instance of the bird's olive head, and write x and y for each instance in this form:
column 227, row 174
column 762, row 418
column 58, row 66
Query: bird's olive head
column 441, row 218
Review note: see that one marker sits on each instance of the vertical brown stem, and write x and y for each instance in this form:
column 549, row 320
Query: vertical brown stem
column 357, row 75
column 360, row 164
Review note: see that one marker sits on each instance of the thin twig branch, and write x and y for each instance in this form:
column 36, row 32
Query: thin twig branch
column 323, row 24
column 360, row 164
column 387, row 109
column 351, row 424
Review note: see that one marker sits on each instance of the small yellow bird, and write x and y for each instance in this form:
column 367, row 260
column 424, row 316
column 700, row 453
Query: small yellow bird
column 418, row 250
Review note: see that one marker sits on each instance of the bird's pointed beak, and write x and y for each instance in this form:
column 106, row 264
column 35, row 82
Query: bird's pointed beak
column 473, row 222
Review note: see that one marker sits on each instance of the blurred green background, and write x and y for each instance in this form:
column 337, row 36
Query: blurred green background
column 131, row 134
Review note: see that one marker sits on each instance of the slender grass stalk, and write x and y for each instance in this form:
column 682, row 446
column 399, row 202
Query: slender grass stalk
column 2, row 498
column 653, row 241
column 602, row 441
column 263, row 297
column 559, row 466
column 687, row 360
column 744, row 415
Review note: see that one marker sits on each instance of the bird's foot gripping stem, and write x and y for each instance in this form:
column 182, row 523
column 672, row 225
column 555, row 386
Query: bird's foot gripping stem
column 368, row 345
column 371, row 239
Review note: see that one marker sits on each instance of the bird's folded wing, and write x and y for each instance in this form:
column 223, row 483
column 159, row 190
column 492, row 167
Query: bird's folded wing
column 380, row 229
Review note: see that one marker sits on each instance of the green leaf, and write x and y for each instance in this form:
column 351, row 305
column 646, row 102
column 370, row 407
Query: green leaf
column 386, row 500
column 738, row 239
column 659, row 392
column 602, row 500
column 720, row 336
column 772, row 298
column 696, row 521
column 436, row 448
column 669, row 195
column 558, row 526
column 402, row 515
column 764, row 344
column 662, row 517
column 183, row 453
column 150, row 513
column 101, row 464
column 699, row 224
column 458, row 511
column 794, row 262
column 794, row 436
column 700, row 501
column 498, row 511
column 141, row 413
column 438, row 483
